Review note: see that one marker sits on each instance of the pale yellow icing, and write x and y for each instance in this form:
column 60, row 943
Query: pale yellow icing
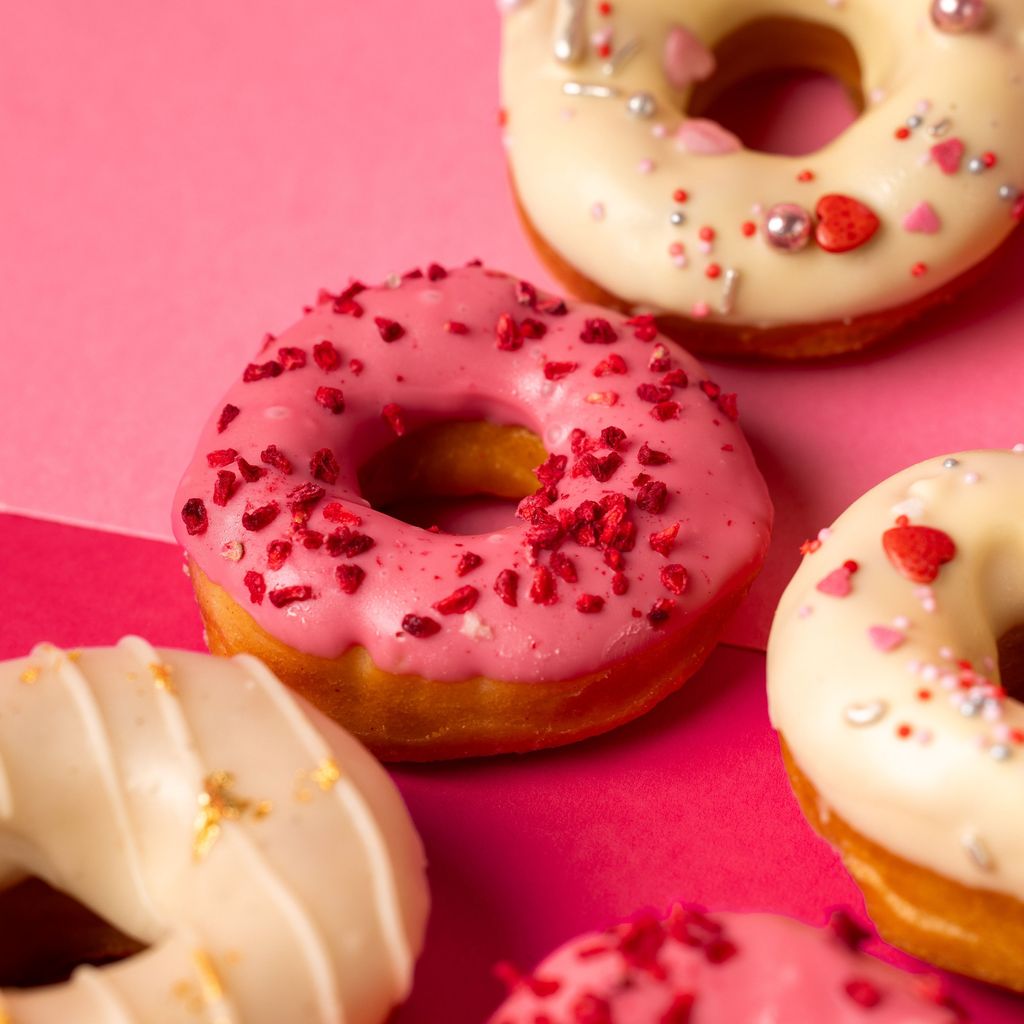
column 599, row 183
column 892, row 739
column 300, row 902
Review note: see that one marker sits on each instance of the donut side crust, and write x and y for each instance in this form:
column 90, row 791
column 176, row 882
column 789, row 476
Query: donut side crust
column 972, row 931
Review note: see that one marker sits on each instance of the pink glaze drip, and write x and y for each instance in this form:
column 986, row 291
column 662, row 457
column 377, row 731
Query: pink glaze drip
column 719, row 969
column 433, row 372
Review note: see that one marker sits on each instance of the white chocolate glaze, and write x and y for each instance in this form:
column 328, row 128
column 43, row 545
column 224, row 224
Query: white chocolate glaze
column 887, row 689
column 263, row 855
column 598, row 182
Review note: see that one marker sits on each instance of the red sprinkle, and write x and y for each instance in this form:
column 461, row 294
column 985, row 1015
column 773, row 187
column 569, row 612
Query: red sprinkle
column 556, row 371
column 224, row 487
column 663, row 540
column 506, row 586
column 507, row 331
column 395, row 417
column 227, row 414
column 706, row 234
column 749, row 228
column 260, row 371
column 331, row 399
column 542, row 590
column 988, row 159
column 919, row 270
column 680, row 195
column 805, row 175
column 903, row 132
column 390, row 330
column 712, row 270
column 256, row 585
column 258, row 518
column 273, row 456
column 292, row 358
column 327, row 357
column 674, row 577
column 324, row 466
column 589, row 604
column 459, row 601
column 350, row 577
column 467, row 563
column 222, row 457
column 289, row 595
column 903, row 731
column 193, row 514
column 420, row 626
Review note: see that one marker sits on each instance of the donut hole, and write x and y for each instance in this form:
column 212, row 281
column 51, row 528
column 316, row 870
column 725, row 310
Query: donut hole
column 1010, row 647
column 782, row 85
column 47, row 934
column 464, row 477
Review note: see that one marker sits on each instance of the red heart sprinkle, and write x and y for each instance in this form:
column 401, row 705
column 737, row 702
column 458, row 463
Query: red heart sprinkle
column 917, row 551
column 948, row 155
column 843, row 223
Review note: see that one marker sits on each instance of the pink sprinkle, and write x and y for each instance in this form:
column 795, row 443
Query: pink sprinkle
column 885, row 638
column 645, row 166
column 924, row 736
column 948, row 155
column 901, row 622
column 700, row 310
column 659, row 131
column 803, row 611
column 685, row 59
column 824, row 533
column 597, row 211
column 922, row 219
column 702, row 137
column 836, row 583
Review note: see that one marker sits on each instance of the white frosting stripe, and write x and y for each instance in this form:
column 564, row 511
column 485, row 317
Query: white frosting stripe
column 95, row 729
column 383, row 873
column 103, row 994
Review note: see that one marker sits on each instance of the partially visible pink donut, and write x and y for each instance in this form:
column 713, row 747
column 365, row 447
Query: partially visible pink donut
column 696, row 968
column 640, row 530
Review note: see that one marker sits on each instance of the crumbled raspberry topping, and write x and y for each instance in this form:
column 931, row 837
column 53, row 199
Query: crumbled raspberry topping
column 613, row 364
column 390, row 330
column 467, row 563
column 456, row 327
column 348, row 543
column 589, row 604
column 435, row 272
column 613, row 437
column 273, row 456
column 556, row 371
column 277, row 553
column 666, row 411
column 392, row 412
column 598, row 331
column 292, row 358
column 193, row 515
column 335, row 512
column 644, row 327
column 224, row 487
column 459, row 601
column 651, row 496
column 350, row 577
column 420, row 626
column 563, row 567
column 648, row 456
column 663, row 540
column 221, row 457
column 674, row 577
column 331, row 399
column 289, row 595
column 324, row 466
column 660, row 611
column 532, row 329
column 327, row 357
column 543, row 589
column 258, row 518
column 261, row 371
column 227, row 414
column 257, row 586
column 863, row 992
column 507, row 332
column 653, row 392
column 250, row 473
column 506, row 586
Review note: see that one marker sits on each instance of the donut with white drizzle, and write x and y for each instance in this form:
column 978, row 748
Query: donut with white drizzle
column 648, row 524
column 636, row 199
column 262, row 855
column 895, row 683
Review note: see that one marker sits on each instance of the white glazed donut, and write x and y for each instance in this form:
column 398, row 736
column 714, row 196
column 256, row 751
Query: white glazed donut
column 636, row 200
column 273, row 873
column 895, row 682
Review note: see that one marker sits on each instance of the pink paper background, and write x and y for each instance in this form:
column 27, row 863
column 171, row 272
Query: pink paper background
column 179, row 179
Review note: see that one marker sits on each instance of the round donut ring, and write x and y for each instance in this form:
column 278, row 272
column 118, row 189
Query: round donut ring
column 274, row 874
column 895, row 682
column 608, row 590
column 636, row 200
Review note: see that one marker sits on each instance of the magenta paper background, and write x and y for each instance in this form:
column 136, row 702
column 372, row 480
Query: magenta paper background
column 180, row 178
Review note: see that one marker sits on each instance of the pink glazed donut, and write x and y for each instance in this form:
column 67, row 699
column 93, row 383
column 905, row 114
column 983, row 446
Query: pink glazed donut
column 695, row 968
column 642, row 519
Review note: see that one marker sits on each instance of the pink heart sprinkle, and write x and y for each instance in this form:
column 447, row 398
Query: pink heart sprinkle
column 704, row 137
column 685, row 58
column 923, row 219
column 885, row 638
column 948, row 155
column 836, row 583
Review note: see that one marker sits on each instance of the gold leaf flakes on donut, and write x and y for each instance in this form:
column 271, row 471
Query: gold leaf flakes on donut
column 217, row 803
column 29, row 677
column 162, row 678
column 326, row 774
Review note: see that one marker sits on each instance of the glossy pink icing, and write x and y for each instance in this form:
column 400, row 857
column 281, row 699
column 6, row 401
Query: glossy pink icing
column 720, row 969
column 713, row 490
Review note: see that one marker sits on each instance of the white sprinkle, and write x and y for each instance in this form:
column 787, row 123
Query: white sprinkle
column 901, row 622
column 865, row 714
column 970, row 478
column 911, row 508
column 922, row 106
column 913, row 666
column 929, row 673
column 1017, row 448
column 824, row 533
column 876, row 95
column 977, row 850
column 924, row 736
column 949, row 681
column 946, row 652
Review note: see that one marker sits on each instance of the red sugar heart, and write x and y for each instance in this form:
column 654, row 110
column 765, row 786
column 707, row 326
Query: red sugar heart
column 948, row 155
column 843, row 223
column 917, row 551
